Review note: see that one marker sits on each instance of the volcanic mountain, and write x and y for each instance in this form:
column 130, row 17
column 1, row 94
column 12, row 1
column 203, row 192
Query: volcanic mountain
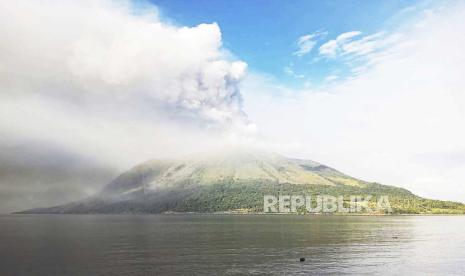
column 233, row 181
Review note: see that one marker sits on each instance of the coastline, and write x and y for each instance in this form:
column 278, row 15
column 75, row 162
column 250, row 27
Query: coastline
column 233, row 213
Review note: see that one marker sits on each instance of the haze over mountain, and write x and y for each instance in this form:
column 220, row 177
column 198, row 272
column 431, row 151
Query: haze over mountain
column 108, row 84
column 231, row 181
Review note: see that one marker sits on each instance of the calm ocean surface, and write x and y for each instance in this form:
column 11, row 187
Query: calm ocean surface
column 231, row 245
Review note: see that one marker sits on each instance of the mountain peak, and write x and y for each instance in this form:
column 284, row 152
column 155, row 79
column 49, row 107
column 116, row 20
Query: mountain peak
column 229, row 180
column 215, row 167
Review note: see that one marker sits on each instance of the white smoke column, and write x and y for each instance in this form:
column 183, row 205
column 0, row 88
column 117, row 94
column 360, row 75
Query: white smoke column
column 112, row 50
column 91, row 88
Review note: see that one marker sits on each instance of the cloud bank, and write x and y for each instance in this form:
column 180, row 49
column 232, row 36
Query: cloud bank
column 399, row 121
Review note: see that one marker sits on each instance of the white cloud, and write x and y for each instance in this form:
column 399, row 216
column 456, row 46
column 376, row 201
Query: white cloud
column 331, row 47
column 397, row 122
column 306, row 43
column 363, row 46
column 352, row 49
column 346, row 36
column 359, row 54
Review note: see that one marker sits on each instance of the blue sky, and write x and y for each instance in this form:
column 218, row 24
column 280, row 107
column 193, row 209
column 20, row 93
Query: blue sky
column 265, row 33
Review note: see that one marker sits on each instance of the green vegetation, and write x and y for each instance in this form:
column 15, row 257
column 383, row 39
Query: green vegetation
column 237, row 182
column 243, row 196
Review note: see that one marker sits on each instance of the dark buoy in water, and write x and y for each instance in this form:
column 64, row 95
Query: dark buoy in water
column 302, row 259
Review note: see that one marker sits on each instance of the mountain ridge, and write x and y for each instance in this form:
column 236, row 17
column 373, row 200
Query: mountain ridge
column 233, row 181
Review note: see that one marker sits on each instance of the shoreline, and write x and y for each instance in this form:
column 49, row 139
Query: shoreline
column 240, row 214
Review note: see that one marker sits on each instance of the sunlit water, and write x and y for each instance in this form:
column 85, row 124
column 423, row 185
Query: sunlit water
column 230, row 245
